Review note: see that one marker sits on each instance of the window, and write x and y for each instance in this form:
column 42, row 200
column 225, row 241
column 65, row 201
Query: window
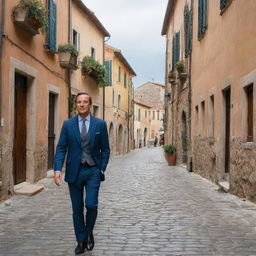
column 197, row 120
column 249, row 96
column 138, row 114
column 211, row 116
column 119, row 74
column 175, row 49
column 125, row 80
column 76, row 39
column 187, row 30
column 93, row 52
column 108, row 76
column 149, row 113
column 158, row 117
column 113, row 97
column 119, row 101
column 202, row 18
column 52, row 26
column 146, row 113
column 153, row 118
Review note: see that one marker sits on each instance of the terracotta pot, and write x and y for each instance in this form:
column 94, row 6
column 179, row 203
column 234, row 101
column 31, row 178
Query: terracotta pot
column 171, row 159
column 67, row 60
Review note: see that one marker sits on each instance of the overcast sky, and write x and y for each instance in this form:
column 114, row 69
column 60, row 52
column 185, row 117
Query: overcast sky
column 135, row 27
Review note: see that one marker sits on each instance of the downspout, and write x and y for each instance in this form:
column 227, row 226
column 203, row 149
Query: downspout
column 190, row 163
column 69, row 71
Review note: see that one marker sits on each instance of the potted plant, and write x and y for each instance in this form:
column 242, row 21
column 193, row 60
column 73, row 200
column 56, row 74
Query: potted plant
column 170, row 154
column 31, row 15
column 94, row 69
column 171, row 77
column 68, row 56
column 180, row 66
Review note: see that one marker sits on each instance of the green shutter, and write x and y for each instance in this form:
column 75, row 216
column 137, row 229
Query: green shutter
column 188, row 30
column 173, row 52
column 202, row 17
column 199, row 18
column 223, row 4
column 52, row 26
column 108, row 77
column 177, row 47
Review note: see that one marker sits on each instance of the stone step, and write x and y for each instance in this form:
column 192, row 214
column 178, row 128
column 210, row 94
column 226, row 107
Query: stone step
column 28, row 189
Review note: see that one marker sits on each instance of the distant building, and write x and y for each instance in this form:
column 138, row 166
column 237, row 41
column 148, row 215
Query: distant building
column 119, row 101
column 149, row 113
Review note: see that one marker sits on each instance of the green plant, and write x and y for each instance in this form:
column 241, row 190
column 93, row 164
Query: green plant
column 169, row 149
column 180, row 66
column 36, row 12
column 90, row 65
column 171, row 75
column 68, row 48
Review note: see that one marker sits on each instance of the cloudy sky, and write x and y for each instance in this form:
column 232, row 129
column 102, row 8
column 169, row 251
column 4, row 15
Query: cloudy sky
column 135, row 27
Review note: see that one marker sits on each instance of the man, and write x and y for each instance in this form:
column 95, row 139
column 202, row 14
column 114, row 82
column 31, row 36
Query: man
column 85, row 139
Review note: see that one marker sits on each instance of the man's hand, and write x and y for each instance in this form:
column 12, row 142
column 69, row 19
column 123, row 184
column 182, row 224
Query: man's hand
column 57, row 178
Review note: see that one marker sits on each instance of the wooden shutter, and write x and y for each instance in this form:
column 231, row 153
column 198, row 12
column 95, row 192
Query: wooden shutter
column 52, row 26
column 223, row 4
column 188, row 30
column 173, row 52
column 202, row 17
column 108, row 67
column 177, row 47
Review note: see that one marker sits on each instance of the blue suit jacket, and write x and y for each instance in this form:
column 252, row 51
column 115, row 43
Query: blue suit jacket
column 70, row 143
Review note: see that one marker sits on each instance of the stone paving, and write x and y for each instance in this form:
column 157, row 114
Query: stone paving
column 147, row 208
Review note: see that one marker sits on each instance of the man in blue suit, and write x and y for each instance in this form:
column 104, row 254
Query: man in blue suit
column 85, row 140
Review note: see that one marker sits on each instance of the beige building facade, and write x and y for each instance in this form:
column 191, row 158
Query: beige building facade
column 149, row 113
column 119, row 101
column 222, row 93
column 35, row 90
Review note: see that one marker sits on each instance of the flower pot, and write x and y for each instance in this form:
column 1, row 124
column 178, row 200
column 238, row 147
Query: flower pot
column 171, row 159
column 90, row 72
column 67, row 60
column 21, row 19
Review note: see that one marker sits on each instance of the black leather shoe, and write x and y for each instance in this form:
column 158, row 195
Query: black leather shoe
column 90, row 242
column 80, row 247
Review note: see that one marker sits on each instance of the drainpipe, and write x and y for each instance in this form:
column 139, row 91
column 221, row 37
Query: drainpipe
column 190, row 163
column 2, row 22
column 69, row 71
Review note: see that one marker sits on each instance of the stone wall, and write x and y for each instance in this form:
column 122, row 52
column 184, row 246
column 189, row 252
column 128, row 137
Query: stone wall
column 204, row 157
column 243, row 169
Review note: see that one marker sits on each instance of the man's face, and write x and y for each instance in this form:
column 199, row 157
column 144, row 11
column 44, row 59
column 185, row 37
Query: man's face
column 83, row 105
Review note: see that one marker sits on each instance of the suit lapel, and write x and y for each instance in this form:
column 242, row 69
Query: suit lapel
column 92, row 129
column 76, row 130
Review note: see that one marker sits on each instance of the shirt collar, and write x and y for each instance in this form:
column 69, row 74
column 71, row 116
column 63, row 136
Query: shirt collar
column 87, row 118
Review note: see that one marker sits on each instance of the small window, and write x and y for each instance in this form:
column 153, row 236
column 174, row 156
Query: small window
column 197, row 120
column 146, row 113
column 113, row 97
column 158, row 117
column 202, row 118
column 153, row 118
column 212, row 116
column 125, row 80
column 76, row 39
column 119, row 74
column 139, row 114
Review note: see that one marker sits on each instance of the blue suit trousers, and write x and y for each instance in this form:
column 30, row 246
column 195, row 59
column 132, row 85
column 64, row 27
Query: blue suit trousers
column 84, row 193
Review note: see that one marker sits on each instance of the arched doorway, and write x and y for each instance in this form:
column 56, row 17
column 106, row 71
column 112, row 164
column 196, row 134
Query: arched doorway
column 111, row 138
column 184, row 139
column 145, row 136
column 120, row 139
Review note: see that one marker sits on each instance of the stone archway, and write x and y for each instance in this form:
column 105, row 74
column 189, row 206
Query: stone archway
column 111, row 138
column 120, row 139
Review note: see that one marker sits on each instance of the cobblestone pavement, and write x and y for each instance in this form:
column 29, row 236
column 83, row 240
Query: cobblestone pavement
column 147, row 208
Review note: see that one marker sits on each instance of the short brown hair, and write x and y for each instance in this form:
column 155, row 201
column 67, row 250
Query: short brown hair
column 84, row 93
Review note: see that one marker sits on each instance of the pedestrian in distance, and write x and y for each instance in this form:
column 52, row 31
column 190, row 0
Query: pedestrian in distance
column 85, row 140
column 155, row 142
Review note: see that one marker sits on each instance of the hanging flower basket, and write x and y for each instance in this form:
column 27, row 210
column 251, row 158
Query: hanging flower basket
column 68, row 56
column 31, row 15
column 21, row 19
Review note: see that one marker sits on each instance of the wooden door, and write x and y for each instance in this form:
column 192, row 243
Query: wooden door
column 20, row 129
column 51, row 134
column 227, row 94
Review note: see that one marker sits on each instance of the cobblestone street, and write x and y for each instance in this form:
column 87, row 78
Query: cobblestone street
column 147, row 208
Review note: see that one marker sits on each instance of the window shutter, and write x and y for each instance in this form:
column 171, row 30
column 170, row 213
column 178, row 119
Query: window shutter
column 223, row 4
column 173, row 52
column 52, row 26
column 202, row 17
column 188, row 30
column 108, row 67
column 177, row 47
column 199, row 18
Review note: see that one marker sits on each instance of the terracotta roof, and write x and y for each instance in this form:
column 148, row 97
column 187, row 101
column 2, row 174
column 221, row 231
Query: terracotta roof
column 92, row 17
column 158, row 84
column 167, row 16
column 142, row 104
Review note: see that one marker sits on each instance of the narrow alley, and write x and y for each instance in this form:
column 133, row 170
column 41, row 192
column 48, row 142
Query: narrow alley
column 147, row 208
